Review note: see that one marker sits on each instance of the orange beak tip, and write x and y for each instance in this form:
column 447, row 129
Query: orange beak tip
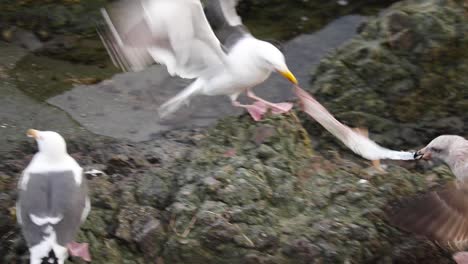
column 289, row 76
column 32, row 133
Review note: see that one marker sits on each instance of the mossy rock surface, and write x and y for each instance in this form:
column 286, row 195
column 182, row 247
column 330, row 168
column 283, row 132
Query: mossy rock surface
column 281, row 20
column 242, row 192
column 403, row 76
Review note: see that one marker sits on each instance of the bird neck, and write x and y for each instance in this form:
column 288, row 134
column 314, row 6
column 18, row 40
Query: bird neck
column 53, row 157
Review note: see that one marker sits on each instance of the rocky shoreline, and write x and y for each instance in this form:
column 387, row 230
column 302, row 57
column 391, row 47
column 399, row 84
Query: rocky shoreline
column 280, row 190
column 242, row 192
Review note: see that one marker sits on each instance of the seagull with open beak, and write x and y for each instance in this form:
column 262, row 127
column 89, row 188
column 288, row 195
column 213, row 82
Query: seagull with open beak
column 441, row 215
column 53, row 201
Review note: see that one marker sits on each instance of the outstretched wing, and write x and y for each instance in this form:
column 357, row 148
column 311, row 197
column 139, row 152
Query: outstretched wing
column 439, row 215
column 175, row 33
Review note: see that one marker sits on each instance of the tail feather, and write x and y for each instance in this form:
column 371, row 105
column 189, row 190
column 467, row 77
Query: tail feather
column 50, row 259
column 181, row 98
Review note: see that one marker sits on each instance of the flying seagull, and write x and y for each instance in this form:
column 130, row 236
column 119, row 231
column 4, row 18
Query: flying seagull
column 53, row 201
column 441, row 215
column 355, row 140
column 212, row 46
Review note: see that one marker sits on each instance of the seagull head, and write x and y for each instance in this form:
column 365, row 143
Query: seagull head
column 274, row 60
column 50, row 143
column 439, row 148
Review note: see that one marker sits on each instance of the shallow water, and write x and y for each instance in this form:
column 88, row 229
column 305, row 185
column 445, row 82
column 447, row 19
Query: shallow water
column 125, row 106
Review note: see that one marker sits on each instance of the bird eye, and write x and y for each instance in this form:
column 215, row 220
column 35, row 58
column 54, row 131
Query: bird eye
column 436, row 150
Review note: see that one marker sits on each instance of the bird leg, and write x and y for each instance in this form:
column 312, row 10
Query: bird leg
column 256, row 110
column 79, row 250
column 277, row 108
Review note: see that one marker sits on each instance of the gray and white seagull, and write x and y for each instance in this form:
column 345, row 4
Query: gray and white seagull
column 53, row 201
column 212, row 46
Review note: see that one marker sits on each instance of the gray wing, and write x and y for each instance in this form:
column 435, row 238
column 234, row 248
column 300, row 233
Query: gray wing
column 55, row 196
column 225, row 22
column 440, row 215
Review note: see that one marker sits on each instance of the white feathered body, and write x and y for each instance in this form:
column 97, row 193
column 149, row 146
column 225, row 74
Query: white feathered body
column 244, row 70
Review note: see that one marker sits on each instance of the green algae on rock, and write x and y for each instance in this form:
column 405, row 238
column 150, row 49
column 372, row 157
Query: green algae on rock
column 281, row 20
column 58, row 16
column 268, row 19
column 242, row 192
column 42, row 77
column 403, row 76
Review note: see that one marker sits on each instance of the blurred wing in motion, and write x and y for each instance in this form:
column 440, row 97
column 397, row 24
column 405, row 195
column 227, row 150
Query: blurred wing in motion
column 175, row 33
column 441, row 216
column 130, row 55
column 355, row 141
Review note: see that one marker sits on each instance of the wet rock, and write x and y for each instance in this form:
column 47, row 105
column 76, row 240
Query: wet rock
column 43, row 34
column 27, row 40
column 301, row 16
column 211, row 184
column 119, row 163
column 140, row 224
column 154, row 189
column 302, row 250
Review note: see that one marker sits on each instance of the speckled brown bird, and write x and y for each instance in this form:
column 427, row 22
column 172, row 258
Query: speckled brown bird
column 441, row 215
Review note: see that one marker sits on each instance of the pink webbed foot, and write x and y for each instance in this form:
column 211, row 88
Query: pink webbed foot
column 281, row 108
column 461, row 257
column 276, row 108
column 257, row 110
column 80, row 250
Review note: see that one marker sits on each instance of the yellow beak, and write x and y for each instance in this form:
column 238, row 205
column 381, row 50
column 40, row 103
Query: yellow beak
column 32, row 133
column 288, row 75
